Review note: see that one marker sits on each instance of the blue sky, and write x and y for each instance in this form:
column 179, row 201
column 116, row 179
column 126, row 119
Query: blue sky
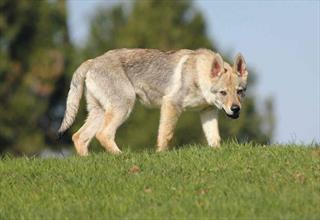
column 279, row 39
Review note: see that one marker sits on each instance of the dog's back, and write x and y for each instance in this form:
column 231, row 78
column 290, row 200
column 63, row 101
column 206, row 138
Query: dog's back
column 150, row 71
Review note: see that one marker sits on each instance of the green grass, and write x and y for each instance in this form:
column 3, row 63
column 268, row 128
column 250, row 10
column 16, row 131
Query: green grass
column 234, row 182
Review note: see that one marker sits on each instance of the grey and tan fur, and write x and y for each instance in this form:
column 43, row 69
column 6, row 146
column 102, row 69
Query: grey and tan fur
column 174, row 81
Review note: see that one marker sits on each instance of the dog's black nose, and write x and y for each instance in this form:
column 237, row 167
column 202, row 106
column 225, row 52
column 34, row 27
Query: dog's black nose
column 235, row 109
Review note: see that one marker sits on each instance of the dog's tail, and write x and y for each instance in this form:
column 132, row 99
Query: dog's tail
column 74, row 96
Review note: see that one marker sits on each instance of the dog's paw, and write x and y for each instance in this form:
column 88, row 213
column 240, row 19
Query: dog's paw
column 115, row 151
column 215, row 143
column 161, row 149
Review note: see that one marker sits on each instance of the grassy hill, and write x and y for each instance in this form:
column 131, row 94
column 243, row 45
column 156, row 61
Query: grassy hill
column 194, row 182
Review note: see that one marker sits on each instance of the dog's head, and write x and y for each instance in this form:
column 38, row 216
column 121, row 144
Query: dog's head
column 227, row 84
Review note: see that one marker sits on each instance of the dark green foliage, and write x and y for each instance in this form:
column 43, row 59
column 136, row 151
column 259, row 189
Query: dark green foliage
column 34, row 50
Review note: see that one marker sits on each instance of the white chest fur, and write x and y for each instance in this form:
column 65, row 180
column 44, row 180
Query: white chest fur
column 194, row 100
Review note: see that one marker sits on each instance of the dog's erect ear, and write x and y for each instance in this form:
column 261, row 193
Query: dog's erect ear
column 217, row 66
column 240, row 66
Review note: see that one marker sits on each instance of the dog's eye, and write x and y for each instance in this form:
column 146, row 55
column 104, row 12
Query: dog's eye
column 240, row 91
column 224, row 93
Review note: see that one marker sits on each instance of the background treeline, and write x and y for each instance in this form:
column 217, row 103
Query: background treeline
column 37, row 61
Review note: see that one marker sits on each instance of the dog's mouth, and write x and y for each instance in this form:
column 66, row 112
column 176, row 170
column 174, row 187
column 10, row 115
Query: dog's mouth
column 233, row 116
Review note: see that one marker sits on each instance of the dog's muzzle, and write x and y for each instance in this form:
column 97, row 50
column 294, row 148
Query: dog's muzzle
column 235, row 109
column 233, row 116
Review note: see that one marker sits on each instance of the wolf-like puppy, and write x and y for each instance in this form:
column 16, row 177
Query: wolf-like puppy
column 172, row 80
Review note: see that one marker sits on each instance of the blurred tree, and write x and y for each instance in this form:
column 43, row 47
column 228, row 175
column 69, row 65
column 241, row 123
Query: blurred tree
column 166, row 25
column 34, row 51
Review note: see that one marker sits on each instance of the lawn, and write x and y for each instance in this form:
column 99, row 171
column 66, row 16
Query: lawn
column 193, row 182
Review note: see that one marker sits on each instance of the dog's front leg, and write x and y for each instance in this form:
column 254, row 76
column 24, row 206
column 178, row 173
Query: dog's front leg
column 170, row 113
column 209, row 120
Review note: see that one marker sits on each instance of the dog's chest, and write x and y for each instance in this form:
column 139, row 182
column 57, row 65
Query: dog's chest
column 193, row 101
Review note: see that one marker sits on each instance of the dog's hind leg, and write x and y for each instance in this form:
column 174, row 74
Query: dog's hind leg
column 113, row 118
column 116, row 113
column 92, row 125
column 117, row 96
